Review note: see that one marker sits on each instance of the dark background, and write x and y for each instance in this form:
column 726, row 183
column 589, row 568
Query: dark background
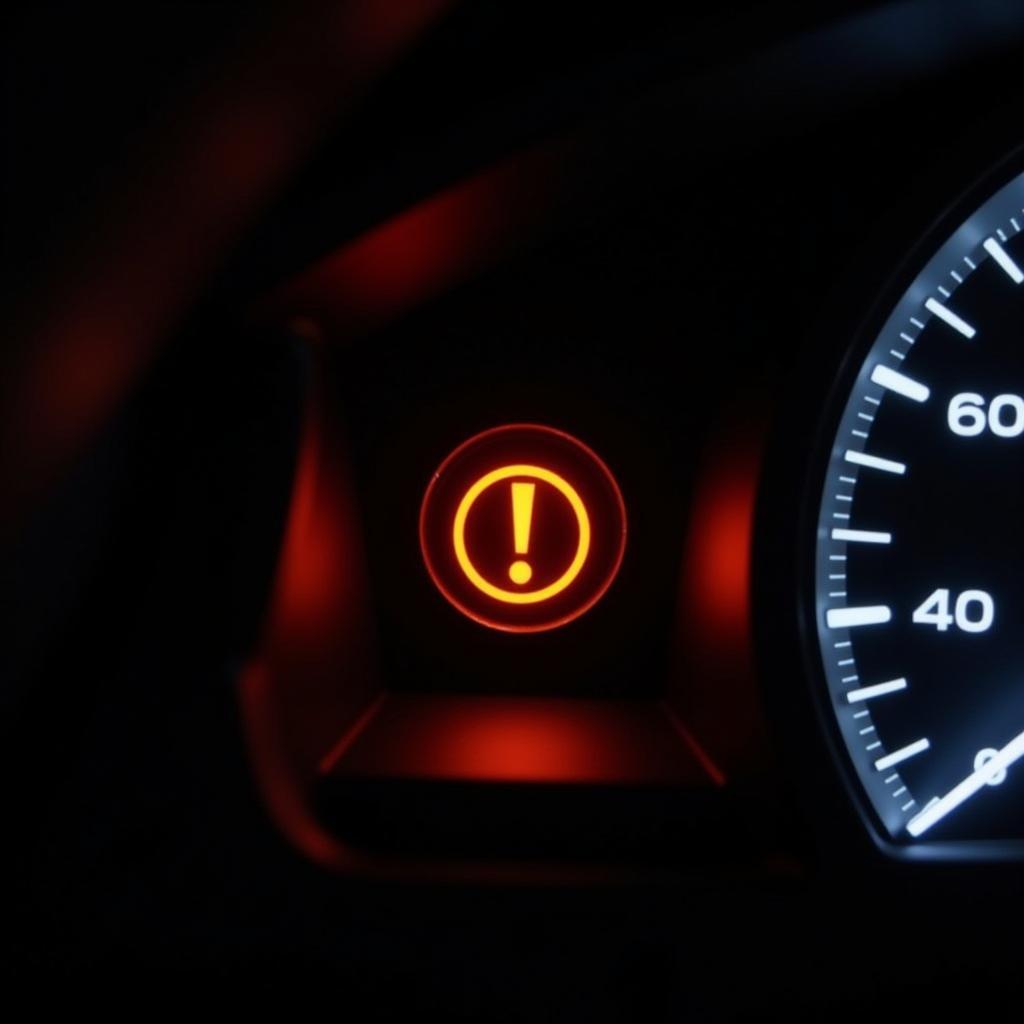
column 744, row 181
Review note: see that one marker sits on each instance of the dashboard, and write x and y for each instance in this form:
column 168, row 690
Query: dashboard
column 513, row 513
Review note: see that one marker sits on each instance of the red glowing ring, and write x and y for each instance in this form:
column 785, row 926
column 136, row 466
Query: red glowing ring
column 598, row 592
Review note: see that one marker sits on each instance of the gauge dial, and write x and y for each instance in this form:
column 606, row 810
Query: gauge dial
column 919, row 590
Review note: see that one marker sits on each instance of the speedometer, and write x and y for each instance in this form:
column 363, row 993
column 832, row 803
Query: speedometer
column 918, row 569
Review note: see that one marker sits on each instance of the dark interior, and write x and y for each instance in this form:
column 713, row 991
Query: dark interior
column 250, row 747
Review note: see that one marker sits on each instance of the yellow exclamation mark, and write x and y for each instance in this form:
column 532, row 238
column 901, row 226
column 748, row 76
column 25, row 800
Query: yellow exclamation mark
column 522, row 515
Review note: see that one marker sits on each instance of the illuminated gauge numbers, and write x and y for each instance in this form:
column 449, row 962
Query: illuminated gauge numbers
column 919, row 571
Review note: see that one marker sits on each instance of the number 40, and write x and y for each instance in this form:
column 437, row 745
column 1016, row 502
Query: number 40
column 973, row 611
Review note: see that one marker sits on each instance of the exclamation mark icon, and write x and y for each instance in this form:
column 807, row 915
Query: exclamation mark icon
column 522, row 515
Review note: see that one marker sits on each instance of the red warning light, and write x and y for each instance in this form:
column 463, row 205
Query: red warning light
column 523, row 528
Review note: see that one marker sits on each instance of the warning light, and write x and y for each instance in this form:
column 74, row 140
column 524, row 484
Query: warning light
column 523, row 528
column 522, row 515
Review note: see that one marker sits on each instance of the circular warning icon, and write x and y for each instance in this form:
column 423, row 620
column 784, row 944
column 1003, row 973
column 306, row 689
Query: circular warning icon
column 523, row 528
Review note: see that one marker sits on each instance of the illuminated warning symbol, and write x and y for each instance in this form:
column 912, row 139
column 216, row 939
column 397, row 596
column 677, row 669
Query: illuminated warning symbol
column 522, row 515
column 523, row 528
column 520, row 571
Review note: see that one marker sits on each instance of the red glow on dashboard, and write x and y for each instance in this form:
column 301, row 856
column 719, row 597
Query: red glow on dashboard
column 316, row 631
column 312, row 569
column 520, row 739
column 718, row 552
column 292, row 704
column 714, row 687
column 510, row 741
column 525, row 744
column 422, row 250
column 411, row 256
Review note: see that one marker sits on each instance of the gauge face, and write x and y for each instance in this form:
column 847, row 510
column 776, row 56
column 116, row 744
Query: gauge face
column 919, row 568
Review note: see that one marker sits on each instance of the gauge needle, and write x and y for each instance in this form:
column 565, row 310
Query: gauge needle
column 963, row 791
